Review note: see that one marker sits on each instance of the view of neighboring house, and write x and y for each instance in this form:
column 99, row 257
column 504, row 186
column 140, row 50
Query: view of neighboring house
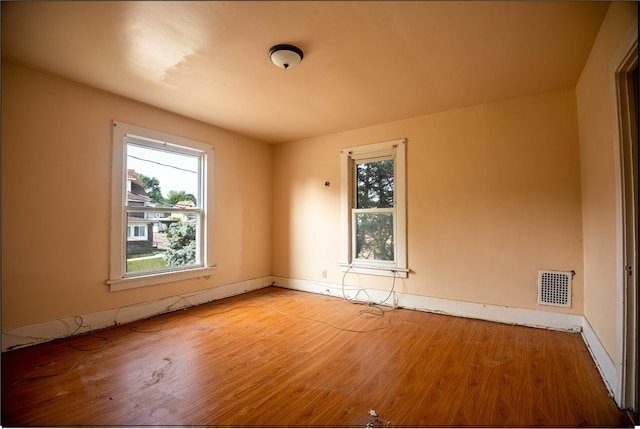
column 139, row 228
column 139, row 235
column 184, row 204
column 142, row 225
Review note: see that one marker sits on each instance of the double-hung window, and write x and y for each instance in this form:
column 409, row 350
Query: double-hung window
column 161, row 203
column 373, row 209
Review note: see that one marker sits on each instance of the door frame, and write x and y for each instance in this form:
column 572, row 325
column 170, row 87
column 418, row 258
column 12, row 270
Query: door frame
column 627, row 100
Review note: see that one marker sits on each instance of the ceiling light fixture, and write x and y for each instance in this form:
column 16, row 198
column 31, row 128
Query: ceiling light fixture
column 285, row 56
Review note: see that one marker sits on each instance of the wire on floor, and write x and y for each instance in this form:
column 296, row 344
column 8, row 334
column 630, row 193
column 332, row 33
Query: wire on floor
column 375, row 309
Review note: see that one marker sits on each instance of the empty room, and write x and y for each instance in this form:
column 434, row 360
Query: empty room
column 359, row 214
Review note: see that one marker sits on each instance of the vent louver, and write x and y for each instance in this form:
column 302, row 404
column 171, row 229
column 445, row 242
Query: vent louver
column 554, row 288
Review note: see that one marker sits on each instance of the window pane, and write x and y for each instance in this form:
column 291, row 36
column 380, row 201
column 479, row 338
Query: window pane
column 160, row 178
column 152, row 246
column 181, row 249
column 374, row 236
column 143, row 253
column 374, row 184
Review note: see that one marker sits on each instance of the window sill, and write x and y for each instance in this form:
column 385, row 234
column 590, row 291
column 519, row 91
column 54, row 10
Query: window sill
column 158, row 278
column 374, row 270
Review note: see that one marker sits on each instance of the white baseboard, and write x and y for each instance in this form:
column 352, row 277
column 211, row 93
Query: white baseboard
column 80, row 324
column 603, row 361
column 494, row 313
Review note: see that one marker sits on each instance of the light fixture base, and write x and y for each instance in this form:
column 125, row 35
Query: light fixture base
column 285, row 56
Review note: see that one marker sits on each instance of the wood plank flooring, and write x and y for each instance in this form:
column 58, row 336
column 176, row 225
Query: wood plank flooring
column 277, row 357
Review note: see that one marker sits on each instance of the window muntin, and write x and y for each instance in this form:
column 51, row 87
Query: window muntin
column 170, row 235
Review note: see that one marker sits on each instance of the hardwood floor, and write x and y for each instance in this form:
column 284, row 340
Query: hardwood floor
column 277, row 357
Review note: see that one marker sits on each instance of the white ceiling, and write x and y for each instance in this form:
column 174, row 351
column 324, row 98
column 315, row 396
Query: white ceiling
column 365, row 63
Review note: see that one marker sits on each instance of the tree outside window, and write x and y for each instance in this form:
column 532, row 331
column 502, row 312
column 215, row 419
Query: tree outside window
column 373, row 217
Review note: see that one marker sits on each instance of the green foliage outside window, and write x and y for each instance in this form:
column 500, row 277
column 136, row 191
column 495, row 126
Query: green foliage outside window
column 374, row 236
column 174, row 197
column 374, row 184
column 152, row 186
column 182, row 243
column 374, row 229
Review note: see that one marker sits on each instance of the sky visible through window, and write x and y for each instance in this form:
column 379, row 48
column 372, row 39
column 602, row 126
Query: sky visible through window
column 175, row 172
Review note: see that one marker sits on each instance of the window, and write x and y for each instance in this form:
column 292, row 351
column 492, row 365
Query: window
column 161, row 206
column 373, row 209
column 136, row 233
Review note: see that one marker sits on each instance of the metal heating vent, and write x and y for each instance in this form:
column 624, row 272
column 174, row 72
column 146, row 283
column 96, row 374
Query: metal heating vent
column 554, row 288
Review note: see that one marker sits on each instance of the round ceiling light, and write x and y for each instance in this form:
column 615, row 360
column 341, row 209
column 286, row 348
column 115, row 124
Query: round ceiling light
column 285, row 56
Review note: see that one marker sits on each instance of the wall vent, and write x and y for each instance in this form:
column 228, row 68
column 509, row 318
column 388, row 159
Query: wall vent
column 554, row 288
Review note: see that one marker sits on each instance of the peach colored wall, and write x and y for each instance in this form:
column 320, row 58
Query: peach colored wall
column 56, row 184
column 599, row 147
column 493, row 196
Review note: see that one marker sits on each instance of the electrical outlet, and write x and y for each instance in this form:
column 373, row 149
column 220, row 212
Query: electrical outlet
column 324, row 274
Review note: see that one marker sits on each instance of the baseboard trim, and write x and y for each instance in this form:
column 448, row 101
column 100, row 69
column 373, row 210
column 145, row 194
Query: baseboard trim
column 64, row 327
column 493, row 313
column 603, row 361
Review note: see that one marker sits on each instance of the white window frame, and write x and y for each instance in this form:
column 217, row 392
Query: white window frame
column 131, row 233
column 119, row 279
column 394, row 149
